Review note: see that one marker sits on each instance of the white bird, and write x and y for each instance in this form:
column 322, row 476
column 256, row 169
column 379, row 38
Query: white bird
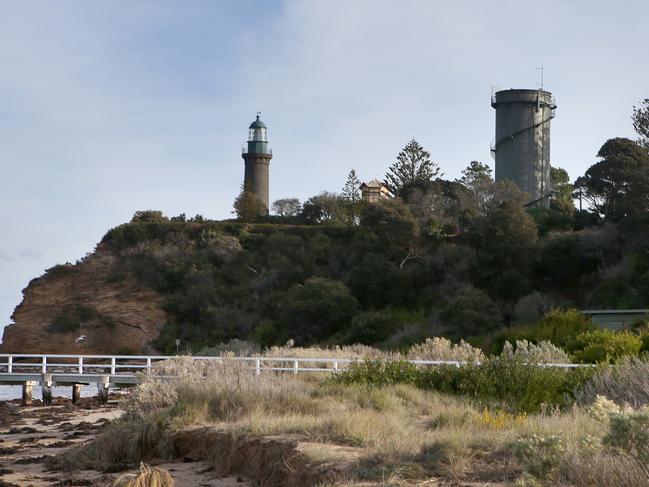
column 80, row 338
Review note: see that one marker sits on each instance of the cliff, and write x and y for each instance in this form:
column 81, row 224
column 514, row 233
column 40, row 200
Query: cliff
column 74, row 300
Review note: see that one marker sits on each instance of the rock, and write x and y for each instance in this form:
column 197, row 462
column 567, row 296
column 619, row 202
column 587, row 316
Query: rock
column 117, row 316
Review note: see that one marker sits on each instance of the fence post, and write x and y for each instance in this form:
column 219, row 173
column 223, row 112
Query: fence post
column 27, row 392
column 80, row 365
column 335, row 366
column 148, row 363
column 296, row 366
column 10, row 361
column 257, row 367
column 76, row 393
column 46, row 388
column 102, row 389
column 112, row 366
column 44, row 366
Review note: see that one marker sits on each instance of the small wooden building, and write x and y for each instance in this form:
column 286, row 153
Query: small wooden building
column 374, row 191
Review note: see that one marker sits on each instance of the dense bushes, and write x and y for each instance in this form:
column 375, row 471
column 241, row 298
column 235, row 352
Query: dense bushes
column 373, row 327
column 316, row 310
column 606, row 345
column 515, row 384
column 231, row 280
column 558, row 326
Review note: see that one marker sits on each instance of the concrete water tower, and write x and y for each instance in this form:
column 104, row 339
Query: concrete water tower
column 258, row 156
column 522, row 144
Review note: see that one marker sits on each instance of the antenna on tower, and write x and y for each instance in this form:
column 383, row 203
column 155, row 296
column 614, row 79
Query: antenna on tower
column 540, row 68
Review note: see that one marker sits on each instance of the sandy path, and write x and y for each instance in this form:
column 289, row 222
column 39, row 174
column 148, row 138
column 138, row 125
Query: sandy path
column 27, row 435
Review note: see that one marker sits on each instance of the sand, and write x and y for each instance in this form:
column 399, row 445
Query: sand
column 30, row 434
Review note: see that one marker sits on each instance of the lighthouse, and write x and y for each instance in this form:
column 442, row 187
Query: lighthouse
column 257, row 162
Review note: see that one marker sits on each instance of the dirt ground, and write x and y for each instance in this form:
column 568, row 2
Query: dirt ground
column 28, row 435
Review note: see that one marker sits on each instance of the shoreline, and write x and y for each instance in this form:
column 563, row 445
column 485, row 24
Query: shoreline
column 29, row 435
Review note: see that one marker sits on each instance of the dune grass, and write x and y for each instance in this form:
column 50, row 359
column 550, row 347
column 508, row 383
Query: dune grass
column 387, row 434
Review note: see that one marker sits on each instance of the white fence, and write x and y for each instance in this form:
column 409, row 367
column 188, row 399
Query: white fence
column 129, row 365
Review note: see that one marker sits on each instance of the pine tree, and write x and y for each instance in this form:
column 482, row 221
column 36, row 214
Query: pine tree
column 412, row 168
column 476, row 175
column 351, row 197
column 640, row 120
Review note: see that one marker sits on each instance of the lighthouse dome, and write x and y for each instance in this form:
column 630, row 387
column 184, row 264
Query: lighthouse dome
column 257, row 124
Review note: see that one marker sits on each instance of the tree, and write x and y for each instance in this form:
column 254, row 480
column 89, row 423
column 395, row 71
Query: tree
column 562, row 191
column 413, row 167
column 640, row 119
column 618, row 185
column 351, row 196
column 508, row 236
column 393, row 223
column 470, row 311
column 506, row 246
column 476, row 177
column 322, row 208
column 148, row 216
column 287, row 207
column 316, row 310
column 246, row 205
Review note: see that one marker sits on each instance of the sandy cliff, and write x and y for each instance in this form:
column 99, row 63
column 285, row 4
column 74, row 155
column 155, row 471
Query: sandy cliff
column 80, row 300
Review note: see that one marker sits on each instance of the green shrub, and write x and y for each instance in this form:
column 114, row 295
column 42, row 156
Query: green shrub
column 64, row 322
column 512, row 383
column 71, row 318
column 372, row 327
column 61, row 270
column 561, row 327
column 380, row 372
column 645, row 343
column 115, row 276
column 316, row 310
column 470, row 311
column 606, row 345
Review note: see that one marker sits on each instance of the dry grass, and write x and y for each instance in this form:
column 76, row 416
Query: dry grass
column 148, row 477
column 394, row 435
column 626, row 382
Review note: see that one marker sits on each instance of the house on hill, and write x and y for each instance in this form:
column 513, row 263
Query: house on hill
column 374, row 190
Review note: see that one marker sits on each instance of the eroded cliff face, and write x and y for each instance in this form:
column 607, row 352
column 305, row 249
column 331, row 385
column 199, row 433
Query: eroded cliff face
column 75, row 300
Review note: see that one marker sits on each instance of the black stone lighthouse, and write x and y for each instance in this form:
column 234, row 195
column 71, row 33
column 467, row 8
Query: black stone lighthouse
column 257, row 159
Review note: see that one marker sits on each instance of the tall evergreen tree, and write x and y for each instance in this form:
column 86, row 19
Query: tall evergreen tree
column 640, row 120
column 478, row 179
column 413, row 168
column 351, row 196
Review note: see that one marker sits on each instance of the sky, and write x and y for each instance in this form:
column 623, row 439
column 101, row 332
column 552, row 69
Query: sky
column 107, row 108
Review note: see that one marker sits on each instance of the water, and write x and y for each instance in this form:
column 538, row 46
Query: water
column 15, row 392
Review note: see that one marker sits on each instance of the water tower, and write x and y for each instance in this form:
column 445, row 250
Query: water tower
column 522, row 144
column 257, row 157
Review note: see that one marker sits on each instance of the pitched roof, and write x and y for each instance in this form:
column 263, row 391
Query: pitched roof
column 374, row 183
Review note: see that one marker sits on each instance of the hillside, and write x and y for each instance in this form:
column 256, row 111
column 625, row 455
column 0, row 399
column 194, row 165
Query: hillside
column 74, row 300
column 389, row 281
